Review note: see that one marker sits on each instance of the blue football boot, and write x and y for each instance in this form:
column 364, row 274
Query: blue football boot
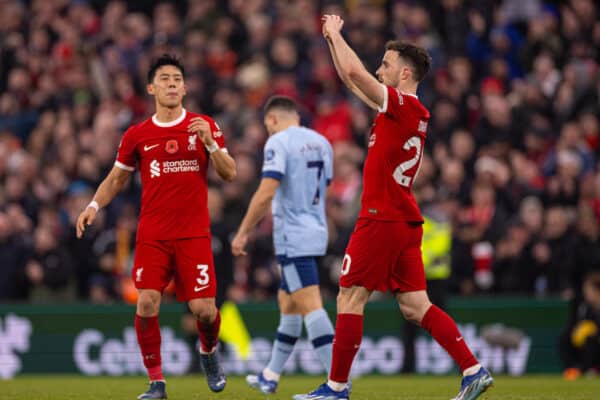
column 472, row 386
column 324, row 392
column 261, row 383
column 214, row 373
column 157, row 390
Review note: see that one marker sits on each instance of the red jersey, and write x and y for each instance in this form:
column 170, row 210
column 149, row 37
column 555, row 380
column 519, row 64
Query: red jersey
column 396, row 147
column 173, row 164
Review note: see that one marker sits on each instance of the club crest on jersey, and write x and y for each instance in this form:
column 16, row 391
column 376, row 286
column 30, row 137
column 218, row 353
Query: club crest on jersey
column 400, row 98
column 372, row 139
column 269, row 155
column 154, row 169
column 171, row 147
column 192, row 142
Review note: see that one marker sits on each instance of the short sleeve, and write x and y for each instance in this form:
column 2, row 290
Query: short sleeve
column 126, row 154
column 328, row 158
column 217, row 134
column 274, row 159
column 393, row 102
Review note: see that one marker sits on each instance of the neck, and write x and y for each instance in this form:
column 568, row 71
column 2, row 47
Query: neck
column 408, row 88
column 284, row 125
column 168, row 114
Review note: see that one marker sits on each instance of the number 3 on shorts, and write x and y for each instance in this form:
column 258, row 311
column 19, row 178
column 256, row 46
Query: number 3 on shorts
column 203, row 280
column 346, row 264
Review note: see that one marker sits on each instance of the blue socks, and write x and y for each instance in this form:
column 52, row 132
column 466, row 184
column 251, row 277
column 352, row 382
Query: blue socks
column 320, row 333
column 288, row 332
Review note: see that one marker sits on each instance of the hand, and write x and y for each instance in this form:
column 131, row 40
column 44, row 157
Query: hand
column 238, row 243
column 87, row 217
column 331, row 24
column 201, row 127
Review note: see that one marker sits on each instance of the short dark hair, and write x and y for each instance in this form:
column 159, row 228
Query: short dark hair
column 284, row 103
column 165, row 59
column 415, row 55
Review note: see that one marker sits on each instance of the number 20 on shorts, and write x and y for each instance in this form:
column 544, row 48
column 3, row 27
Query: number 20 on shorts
column 346, row 264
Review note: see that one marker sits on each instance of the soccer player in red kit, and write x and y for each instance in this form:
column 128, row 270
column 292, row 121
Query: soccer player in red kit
column 384, row 252
column 171, row 150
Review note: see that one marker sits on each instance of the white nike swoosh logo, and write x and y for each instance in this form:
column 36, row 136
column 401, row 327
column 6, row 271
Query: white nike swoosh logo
column 458, row 339
column 199, row 288
column 146, row 148
column 222, row 381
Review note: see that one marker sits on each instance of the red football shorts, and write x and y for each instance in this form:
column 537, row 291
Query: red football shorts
column 384, row 255
column 188, row 261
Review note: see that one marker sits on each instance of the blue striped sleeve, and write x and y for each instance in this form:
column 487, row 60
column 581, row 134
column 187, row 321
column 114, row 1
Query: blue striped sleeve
column 272, row 174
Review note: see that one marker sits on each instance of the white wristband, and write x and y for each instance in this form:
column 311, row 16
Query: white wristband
column 94, row 205
column 212, row 148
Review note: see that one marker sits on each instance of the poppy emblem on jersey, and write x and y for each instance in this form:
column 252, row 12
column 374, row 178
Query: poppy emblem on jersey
column 192, row 142
column 372, row 139
column 171, row 147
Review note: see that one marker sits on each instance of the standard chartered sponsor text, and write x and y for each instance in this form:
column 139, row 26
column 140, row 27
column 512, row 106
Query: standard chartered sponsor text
column 180, row 166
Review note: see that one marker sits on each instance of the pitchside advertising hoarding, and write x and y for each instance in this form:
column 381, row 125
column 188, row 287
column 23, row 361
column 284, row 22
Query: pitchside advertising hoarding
column 512, row 336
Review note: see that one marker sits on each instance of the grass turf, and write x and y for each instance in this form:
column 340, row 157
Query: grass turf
column 530, row 387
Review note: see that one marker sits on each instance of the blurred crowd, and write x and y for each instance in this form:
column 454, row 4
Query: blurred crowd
column 512, row 150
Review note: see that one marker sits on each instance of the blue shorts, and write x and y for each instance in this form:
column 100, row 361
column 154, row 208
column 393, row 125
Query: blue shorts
column 297, row 273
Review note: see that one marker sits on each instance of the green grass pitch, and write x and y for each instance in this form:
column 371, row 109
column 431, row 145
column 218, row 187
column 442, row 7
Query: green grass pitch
column 403, row 387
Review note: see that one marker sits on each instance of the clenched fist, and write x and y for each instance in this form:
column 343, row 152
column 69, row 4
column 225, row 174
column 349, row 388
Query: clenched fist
column 331, row 24
column 201, row 127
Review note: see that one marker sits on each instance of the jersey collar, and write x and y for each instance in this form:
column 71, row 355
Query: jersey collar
column 171, row 123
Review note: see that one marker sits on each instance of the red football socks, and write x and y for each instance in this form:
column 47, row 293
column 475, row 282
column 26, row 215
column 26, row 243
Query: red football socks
column 446, row 333
column 148, row 335
column 348, row 335
column 209, row 334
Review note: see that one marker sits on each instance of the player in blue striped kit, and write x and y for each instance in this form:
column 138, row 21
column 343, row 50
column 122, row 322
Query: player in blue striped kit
column 297, row 168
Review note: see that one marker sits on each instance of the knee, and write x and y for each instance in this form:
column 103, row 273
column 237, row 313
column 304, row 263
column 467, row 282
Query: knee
column 414, row 311
column 147, row 306
column 308, row 305
column 410, row 314
column 341, row 301
column 204, row 313
column 351, row 302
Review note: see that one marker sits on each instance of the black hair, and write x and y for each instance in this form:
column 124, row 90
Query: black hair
column 165, row 59
column 417, row 56
column 284, row 103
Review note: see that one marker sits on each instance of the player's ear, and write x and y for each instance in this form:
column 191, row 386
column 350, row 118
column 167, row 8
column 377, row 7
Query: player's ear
column 150, row 89
column 184, row 90
column 405, row 73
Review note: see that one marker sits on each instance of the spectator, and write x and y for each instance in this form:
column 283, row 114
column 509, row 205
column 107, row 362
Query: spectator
column 513, row 92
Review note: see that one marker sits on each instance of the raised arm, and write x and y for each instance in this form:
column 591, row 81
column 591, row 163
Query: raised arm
column 108, row 189
column 349, row 67
column 353, row 88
